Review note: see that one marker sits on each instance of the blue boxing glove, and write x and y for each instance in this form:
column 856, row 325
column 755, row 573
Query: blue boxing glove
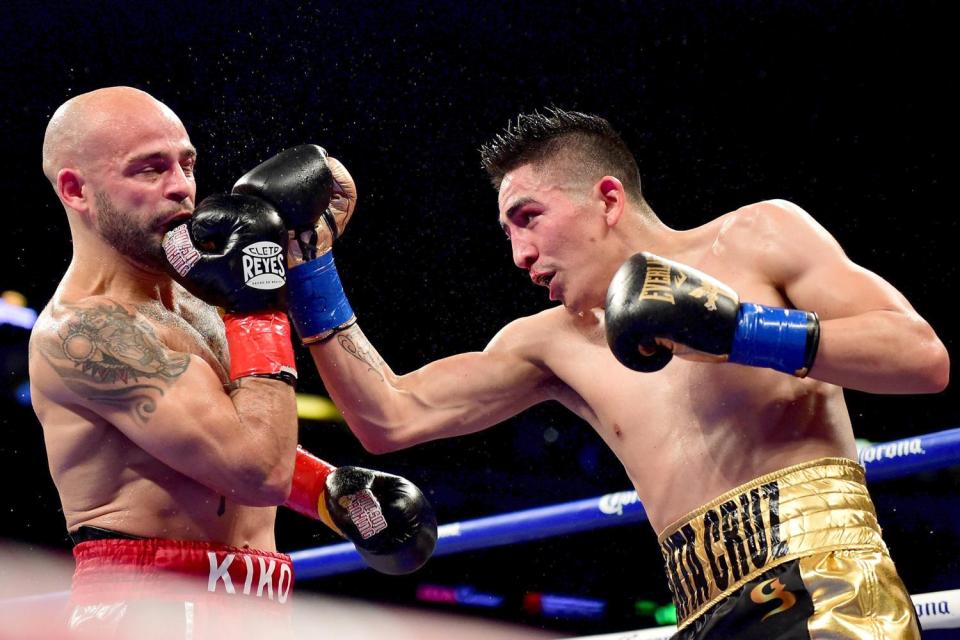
column 653, row 302
column 315, row 197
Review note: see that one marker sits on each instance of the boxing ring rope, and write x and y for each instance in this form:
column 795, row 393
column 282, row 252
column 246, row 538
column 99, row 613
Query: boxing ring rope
column 885, row 461
column 890, row 460
column 936, row 610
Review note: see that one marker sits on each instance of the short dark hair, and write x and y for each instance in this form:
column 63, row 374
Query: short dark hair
column 587, row 139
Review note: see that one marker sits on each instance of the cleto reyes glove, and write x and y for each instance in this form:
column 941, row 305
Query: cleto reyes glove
column 386, row 517
column 232, row 253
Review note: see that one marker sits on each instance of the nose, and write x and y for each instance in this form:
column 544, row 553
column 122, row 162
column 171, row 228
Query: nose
column 524, row 253
column 179, row 185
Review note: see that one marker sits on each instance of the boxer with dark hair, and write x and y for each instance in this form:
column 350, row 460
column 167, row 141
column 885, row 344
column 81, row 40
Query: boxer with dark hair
column 172, row 433
column 738, row 337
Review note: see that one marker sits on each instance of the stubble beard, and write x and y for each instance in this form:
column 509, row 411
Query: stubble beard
column 135, row 239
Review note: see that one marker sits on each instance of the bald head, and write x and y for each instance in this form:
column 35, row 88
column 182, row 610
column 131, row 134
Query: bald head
column 91, row 126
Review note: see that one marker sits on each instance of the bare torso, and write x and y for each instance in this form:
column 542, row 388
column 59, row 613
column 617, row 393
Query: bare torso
column 106, row 480
column 693, row 430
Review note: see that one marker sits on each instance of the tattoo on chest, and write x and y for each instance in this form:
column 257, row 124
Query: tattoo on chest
column 222, row 509
column 358, row 347
column 197, row 322
column 107, row 355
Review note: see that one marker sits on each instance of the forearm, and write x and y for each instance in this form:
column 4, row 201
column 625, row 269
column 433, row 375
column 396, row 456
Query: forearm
column 890, row 352
column 449, row 397
column 230, row 254
column 357, row 378
column 857, row 333
column 267, row 417
column 364, row 388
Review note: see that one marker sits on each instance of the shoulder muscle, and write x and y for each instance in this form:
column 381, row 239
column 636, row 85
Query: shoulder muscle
column 781, row 238
column 103, row 353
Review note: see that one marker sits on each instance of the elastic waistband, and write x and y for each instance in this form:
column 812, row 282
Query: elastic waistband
column 821, row 505
column 86, row 533
column 123, row 569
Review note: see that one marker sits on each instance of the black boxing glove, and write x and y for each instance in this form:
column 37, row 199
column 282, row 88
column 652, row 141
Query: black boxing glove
column 306, row 186
column 232, row 253
column 386, row 517
column 653, row 302
column 299, row 184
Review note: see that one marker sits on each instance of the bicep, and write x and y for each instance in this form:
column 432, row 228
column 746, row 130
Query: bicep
column 812, row 270
column 471, row 391
column 478, row 382
column 871, row 338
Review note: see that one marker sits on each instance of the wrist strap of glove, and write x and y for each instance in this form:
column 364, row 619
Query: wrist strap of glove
column 781, row 339
column 309, row 488
column 307, row 240
column 306, row 243
column 260, row 345
column 317, row 304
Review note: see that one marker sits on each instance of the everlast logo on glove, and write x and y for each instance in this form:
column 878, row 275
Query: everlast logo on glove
column 263, row 266
column 656, row 282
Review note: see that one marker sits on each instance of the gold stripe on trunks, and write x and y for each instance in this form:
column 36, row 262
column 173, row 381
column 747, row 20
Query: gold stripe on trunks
column 821, row 505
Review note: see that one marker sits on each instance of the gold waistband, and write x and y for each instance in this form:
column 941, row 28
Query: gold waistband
column 821, row 505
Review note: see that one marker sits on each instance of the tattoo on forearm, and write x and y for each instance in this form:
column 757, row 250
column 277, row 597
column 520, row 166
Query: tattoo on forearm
column 107, row 355
column 362, row 350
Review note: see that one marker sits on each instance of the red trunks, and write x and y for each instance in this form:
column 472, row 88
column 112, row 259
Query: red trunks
column 178, row 589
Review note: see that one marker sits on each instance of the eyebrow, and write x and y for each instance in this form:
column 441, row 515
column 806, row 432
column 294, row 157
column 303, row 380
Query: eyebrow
column 519, row 204
column 190, row 153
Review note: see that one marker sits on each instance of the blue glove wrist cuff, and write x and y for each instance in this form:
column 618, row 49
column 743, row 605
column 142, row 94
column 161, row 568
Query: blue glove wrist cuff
column 317, row 303
column 781, row 339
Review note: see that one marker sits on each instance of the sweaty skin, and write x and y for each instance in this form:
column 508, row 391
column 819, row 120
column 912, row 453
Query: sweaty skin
column 694, row 429
column 128, row 371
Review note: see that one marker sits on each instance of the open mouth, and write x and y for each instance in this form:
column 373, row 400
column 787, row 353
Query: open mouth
column 174, row 221
column 544, row 279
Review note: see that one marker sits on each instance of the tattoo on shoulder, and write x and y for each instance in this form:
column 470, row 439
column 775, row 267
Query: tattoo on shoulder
column 357, row 346
column 106, row 354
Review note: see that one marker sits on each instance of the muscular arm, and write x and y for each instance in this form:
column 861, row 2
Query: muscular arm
column 449, row 397
column 101, row 356
column 871, row 338
column 452, row 396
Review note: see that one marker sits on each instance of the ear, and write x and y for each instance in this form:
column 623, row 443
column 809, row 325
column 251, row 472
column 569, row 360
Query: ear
column 70, row 189
column 614, row 198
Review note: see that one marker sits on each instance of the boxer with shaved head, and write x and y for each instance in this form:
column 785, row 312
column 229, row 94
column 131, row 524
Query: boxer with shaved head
column 171, row 432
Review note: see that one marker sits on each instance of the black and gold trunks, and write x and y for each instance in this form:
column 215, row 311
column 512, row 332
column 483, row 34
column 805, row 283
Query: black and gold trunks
column 812, row 508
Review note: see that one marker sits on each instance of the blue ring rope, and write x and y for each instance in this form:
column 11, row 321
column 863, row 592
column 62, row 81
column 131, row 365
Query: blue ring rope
column 885, row 461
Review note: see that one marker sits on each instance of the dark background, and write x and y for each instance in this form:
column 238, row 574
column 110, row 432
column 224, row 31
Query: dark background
column 841, row 107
